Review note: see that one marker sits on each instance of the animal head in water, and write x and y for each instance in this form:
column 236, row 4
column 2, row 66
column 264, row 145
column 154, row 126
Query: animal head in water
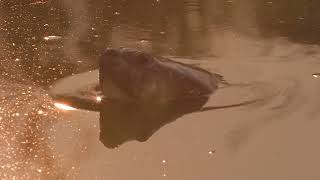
column 127, row 74
column 141, row 93
column 133, row 76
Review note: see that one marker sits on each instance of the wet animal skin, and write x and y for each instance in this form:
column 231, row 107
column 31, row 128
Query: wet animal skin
column 130, row 75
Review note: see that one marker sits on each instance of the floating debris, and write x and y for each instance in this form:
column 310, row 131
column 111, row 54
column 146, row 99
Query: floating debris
column 38, row 2
column 52, row 38
column 144, row 41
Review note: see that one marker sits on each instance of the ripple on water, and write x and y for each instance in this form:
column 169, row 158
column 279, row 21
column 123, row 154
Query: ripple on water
column 287, row 93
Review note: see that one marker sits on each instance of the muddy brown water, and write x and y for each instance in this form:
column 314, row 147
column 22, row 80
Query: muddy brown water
column 272, row 45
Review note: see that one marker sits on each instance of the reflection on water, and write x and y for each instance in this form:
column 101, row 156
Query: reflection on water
column 271, row 44
column 64, row 106
column 140, row 121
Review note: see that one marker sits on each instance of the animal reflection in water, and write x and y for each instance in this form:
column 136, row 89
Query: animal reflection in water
column 138, row 93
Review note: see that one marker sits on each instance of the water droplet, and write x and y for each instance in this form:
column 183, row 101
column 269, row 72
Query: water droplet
column 117, row 13
column 211, row 152
column 164, row 161
column 99, row 99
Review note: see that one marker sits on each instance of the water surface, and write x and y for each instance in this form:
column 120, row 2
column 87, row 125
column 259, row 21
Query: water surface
column 272, row 45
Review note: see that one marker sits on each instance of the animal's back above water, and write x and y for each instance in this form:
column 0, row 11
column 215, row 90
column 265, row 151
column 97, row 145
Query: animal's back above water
column 134, row 76
column 142, row 77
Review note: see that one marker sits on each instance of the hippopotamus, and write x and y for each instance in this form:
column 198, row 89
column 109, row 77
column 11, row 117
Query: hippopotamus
column 137, row 93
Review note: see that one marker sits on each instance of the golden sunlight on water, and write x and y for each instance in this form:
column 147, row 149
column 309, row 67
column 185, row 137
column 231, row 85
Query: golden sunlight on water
column 273, row 46
column 64, row 107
